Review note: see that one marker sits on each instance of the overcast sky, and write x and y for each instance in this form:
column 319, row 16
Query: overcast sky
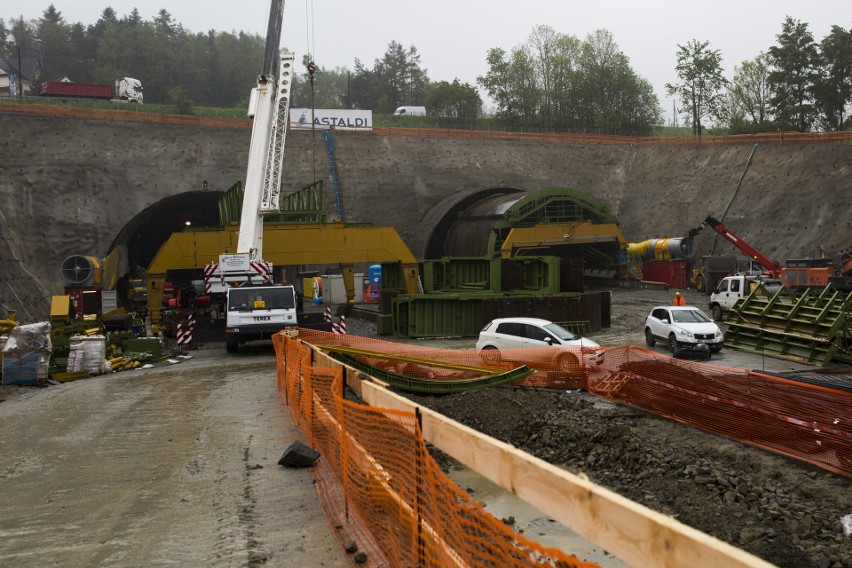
column 453, row 37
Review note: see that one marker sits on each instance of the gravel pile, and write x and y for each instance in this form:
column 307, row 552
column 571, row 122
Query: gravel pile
column 781, row 510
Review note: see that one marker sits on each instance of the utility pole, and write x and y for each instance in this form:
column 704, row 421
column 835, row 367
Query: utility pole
column 20, row 78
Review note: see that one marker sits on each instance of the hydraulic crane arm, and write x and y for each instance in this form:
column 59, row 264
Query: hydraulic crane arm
column 743, row 246
column 270, row 103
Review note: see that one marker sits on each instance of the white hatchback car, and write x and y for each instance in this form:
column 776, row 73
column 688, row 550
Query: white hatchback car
column 512, row 333
column 682, row 326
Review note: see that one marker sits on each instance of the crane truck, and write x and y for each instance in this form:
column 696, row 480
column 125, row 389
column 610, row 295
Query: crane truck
column 732, row 288
column 255, row 306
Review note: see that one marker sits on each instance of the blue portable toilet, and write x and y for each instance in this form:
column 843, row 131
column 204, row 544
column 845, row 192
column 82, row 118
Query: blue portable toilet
column 374, row 284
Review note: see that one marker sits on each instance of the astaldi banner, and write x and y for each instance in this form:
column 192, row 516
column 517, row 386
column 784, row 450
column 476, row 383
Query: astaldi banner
column 338, row 119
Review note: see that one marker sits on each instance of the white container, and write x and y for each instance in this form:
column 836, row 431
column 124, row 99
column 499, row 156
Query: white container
column 334, row 292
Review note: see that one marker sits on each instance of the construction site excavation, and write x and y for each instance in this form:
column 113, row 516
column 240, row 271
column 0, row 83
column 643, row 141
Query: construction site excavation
column 417, row 346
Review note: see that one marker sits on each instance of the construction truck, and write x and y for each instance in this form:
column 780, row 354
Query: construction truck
column 255, row 307
column 770, row 268
column 713, row 268
column 802, row 273
column 733, row 288
column 125, row 89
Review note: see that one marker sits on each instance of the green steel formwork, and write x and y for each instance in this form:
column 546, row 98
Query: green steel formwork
column 539, row 274
column 438, row 315
column 393, row 280
column 303, row 206
column 460, row 273
column 815, row 328
column 463, row 315
column 384, row 324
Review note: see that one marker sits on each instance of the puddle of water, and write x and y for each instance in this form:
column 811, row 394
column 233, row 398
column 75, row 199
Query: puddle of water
column 535, row 524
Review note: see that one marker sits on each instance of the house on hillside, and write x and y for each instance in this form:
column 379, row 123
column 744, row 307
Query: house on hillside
column 9, row 71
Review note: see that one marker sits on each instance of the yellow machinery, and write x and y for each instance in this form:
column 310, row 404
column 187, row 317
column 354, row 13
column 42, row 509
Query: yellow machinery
column 663, row 249
column 285, row 245
column 547, row 236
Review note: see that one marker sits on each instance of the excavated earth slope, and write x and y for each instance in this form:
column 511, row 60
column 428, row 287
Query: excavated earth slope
column 68, row 187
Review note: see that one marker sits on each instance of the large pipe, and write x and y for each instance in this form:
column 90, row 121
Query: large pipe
column 663, row 249
column 79, row 270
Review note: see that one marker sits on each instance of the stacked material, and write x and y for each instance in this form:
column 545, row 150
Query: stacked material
column 87, row 354
column 26, row 355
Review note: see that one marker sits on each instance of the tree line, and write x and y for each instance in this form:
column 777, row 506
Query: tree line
column 551, row 82
column 796, row 84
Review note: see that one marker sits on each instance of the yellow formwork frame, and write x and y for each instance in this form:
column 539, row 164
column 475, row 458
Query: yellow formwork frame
column 547, row 235
column 284, row 245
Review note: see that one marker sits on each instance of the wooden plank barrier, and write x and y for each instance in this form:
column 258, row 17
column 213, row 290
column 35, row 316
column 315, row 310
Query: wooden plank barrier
column 632, row 532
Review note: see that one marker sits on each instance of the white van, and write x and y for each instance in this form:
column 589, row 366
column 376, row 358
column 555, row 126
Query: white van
column 410, row 111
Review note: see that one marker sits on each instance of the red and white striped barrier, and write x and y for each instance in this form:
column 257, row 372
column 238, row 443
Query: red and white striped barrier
column 327, row 316
column 185, row 329
column 339, row 327
column 184, row 334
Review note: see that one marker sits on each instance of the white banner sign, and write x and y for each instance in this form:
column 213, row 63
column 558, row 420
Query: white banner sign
column 338, row 119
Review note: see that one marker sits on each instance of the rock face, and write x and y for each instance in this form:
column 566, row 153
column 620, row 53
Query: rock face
column 70, row 186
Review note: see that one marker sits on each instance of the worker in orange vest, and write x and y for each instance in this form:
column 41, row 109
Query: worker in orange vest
column 679, row 300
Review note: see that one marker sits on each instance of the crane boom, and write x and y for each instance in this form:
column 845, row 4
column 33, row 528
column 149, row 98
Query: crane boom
column 747, row 249
column 268, row 106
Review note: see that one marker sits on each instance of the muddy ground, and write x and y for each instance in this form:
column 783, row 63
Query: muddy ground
column 175, row 465
column 782, row 510
column 166, row 464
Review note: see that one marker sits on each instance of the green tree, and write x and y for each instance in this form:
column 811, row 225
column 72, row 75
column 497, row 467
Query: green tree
column 395, row 79
column 23, row 37
column 543, row 46
column 568, row 83
column 833, row 87
column 749, row 95
column 459, row 103
column 512, row 83
column 54, row 45
column 701, row 86
column 793, row 61
column 181, row 101
column 616, row 99
column 4, row 40
column 554, row 81
column 330, row 89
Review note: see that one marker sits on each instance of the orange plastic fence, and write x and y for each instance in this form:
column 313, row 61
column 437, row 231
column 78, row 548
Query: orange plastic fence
column 561, row 367
column 390, row 483
column 805, row 421
column 808, row 422
column 778, row 138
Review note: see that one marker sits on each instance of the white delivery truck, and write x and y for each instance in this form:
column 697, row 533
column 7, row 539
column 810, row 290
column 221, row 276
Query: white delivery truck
column 410, row 111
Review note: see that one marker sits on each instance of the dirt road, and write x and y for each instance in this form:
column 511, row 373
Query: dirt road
column 179, row 465
column 175, row 465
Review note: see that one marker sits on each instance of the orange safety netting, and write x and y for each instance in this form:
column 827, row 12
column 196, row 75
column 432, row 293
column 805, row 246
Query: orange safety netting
column 809, row 422
column 805, row 421
column 414, row 514
column 139, row 115
column 555, row 367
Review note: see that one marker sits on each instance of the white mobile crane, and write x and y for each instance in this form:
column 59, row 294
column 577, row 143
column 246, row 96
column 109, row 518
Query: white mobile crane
column 255, row 307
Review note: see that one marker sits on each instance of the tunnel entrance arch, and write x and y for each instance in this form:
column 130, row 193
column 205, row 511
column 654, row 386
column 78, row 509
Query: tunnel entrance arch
column 138, row 241
column 146, row 232
column 452, row 219
column 511, row 221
